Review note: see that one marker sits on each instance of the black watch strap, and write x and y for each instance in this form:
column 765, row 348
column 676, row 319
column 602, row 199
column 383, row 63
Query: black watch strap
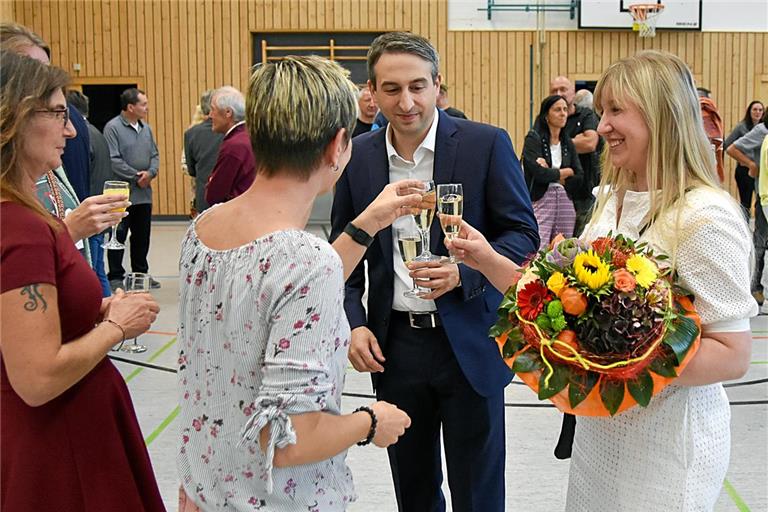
column 358, row 235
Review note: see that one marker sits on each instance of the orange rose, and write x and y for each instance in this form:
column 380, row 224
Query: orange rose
column 624, row 281
column 574, row 302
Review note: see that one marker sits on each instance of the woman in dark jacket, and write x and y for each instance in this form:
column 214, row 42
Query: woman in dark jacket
column 744, row 182
column 552, row 170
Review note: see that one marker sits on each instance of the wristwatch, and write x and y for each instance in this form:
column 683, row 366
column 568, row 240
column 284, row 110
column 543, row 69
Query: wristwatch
column 358, row 235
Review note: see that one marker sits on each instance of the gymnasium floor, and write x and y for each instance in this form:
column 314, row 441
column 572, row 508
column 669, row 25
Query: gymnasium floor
column 536, row 481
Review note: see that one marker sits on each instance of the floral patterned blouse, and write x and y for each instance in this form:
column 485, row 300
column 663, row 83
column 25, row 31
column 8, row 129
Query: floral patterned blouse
column 262, row 336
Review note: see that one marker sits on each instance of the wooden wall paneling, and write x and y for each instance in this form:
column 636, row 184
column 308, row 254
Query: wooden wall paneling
column 504, row 81
column 226, row 43
column 105, row 55
column 89, row 66
column 114, row 37
column 8, row 11
column 522, row 68
column 182, row 110
column 493, row 82
column 98, row 40
column 206, row 27
column 474, row 90
column 246, row 58
column 45, row 22
column 485, row 75
column 399, row 9
column 255, row 16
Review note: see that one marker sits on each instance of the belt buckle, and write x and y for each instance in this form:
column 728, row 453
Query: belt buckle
column 412, row 320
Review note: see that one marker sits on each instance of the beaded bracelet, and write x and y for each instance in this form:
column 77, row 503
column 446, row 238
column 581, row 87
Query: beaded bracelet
column 372, row 432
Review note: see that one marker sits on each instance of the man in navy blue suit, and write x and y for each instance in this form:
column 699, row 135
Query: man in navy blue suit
column 432, row 357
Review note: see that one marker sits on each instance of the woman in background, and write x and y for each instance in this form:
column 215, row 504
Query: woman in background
column 744, row 182
column 551, row 166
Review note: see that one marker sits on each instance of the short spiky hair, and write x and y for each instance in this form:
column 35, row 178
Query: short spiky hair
column 294, row 108
column 402, row 42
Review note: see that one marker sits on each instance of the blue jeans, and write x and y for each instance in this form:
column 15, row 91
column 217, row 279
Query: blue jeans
column 97, row 258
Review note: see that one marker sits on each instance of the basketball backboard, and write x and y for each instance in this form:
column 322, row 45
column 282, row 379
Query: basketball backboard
column 613, row 14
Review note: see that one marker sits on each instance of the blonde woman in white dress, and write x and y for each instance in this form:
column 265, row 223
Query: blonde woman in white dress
column 672, row 455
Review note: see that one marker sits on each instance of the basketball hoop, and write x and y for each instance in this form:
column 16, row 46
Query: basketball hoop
column 645, row 18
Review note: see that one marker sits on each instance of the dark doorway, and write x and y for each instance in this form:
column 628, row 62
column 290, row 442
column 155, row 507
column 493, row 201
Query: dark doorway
column 104, row 102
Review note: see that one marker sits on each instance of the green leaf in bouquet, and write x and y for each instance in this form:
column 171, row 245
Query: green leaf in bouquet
column 557, row 382
column 680, row 336
column 502, row 325
column 507, row 304
column 526, row 362
column 580, row 384
column 515, row 342
column 612, row 394
column 641, row 388
column 664, row 366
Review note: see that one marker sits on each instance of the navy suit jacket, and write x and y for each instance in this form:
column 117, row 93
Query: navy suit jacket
column 496, row 202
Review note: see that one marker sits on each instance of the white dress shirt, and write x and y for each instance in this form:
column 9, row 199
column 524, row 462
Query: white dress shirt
column 421, row 168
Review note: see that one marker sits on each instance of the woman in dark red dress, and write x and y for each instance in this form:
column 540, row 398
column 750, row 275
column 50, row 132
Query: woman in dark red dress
column 70, row 439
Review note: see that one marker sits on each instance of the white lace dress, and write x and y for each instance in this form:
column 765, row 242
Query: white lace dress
column 672, row 455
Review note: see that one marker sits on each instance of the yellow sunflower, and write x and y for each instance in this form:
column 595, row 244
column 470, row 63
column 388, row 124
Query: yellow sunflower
column 644, row 270
column 591, row 270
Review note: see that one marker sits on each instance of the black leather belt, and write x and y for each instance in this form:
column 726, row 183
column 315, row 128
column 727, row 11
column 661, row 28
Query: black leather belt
column 419, row 319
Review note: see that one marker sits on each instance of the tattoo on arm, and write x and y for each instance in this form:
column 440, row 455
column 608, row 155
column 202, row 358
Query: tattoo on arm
column 36, row 298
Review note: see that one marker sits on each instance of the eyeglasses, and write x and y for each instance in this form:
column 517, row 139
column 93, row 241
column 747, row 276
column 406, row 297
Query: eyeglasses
column 58, row 113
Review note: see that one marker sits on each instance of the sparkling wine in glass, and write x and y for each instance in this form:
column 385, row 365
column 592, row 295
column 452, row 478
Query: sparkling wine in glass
column 136, row 282
column 450, row 205
column 410, row 242
column 424, row 218
column 116, row 188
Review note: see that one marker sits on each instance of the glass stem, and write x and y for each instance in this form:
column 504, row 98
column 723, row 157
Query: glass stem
column 114, row 233
column 425, row 243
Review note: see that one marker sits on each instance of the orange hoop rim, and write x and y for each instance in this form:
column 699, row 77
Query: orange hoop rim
column 640, row 12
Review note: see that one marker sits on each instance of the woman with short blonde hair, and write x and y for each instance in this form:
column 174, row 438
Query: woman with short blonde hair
column 263, row 336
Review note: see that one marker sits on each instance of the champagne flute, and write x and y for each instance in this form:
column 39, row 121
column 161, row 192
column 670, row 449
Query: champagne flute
column 409, row 241
column 424, row 218
column 136, row 282
column 450, row 205
column 116, row 188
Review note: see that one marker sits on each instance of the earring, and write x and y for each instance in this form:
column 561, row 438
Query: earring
column 335, row 168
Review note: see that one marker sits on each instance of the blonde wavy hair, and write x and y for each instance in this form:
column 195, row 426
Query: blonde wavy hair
column 294, row 108
column 25, row 86
column 680, row 157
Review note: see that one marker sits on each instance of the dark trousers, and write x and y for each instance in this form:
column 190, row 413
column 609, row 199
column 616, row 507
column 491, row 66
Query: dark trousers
column 139, row 223
column 760, row 239
column 746, row 186
column 423, row 378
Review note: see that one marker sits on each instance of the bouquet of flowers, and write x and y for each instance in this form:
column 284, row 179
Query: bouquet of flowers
column 596, row 327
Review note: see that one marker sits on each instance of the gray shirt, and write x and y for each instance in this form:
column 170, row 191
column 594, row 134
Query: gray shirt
column 132, row 151
column 750, row 143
